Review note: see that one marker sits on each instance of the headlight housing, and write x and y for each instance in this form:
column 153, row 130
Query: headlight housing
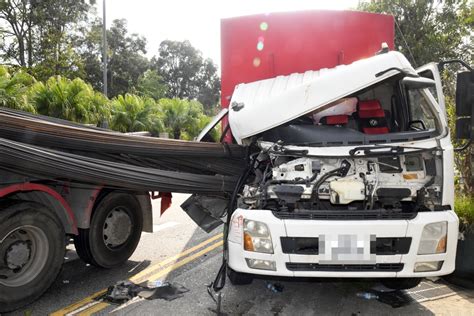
column 433, row 239
column 257, row 237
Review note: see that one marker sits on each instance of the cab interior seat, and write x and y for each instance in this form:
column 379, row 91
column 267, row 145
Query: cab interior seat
column 372, row 118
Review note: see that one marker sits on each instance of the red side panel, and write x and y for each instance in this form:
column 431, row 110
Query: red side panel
column 264, row 46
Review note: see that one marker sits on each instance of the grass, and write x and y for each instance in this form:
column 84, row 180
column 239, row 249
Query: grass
column 464, row 207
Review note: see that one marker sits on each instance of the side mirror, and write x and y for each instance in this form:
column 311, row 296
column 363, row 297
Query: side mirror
column 465, row 105
column 418, row 83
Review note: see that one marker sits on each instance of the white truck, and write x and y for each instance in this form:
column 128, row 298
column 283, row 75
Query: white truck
column 353, row 176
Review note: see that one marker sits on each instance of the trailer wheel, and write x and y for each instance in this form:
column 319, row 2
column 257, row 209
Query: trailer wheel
column 239, row 278
column 32, row 246
column 114, row 232
column 401, row 283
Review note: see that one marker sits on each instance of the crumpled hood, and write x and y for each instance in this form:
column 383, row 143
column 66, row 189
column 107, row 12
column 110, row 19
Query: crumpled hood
column 262, row 105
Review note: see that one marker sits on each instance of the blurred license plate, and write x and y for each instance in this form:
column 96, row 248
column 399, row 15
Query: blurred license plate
column 346, row 249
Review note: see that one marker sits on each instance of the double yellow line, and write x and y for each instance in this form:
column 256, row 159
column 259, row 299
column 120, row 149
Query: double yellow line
column 90, row 305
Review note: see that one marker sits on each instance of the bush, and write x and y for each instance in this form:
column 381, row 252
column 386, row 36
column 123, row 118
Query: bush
column 72, row 100
column 182, row 119
column 14, row 90
column 132, row 113
column 464, row 207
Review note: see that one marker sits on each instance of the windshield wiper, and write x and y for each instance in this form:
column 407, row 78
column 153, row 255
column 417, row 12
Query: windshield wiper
column 386, row 149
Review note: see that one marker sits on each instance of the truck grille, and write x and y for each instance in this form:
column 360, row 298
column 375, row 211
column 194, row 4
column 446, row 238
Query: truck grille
column 344, row 215
column 379, row 267
column 381, row 246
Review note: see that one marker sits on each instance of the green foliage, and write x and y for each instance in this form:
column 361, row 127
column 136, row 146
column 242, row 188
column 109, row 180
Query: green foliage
column 182, row 118
column 77, row 101
column 187, row 74
column 14, row 90
column 131, row 113
column 72, row 100
column 150, row 84
column 429, row 30
column 40, row 34
column 126, row 57
column 464, row 206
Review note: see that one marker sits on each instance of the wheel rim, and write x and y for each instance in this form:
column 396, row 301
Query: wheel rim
column 117, row 228
column 23, row 254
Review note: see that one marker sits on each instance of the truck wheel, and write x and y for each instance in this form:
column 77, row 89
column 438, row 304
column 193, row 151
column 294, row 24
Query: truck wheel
column 238, row 278
column 32, row 246
column 401, row 283
column 114, row 231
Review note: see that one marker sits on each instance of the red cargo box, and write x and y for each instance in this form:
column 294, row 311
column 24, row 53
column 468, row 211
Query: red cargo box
column 263, row 46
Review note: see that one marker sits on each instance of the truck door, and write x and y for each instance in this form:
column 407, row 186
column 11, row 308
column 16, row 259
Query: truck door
column 431, row 71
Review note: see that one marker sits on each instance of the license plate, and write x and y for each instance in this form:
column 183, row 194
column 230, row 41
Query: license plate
column 346, row 249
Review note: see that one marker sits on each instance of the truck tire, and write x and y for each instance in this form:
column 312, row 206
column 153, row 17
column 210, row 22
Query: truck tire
column 401, row 283
column 114, row 231
column 32, row 247
column 238, row 278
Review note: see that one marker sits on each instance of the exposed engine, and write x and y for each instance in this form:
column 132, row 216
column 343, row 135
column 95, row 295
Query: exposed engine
column 288, row 181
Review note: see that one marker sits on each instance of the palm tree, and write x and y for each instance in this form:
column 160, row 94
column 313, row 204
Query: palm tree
column 13, row 90
column 72, row 100
column 182, row 118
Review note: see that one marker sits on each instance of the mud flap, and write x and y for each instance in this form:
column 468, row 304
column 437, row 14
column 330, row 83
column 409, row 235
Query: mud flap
column 206, row 211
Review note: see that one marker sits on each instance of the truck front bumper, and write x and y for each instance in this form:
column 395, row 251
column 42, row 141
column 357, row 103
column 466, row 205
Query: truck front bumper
column 391, row 263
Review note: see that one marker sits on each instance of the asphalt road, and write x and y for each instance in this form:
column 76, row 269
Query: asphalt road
column 179, row 252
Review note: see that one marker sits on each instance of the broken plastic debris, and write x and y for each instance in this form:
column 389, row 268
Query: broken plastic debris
column 274, row 287
column 154, row 284
column 367, row 295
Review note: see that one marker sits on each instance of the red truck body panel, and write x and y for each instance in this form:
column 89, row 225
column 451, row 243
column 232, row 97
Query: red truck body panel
column 267, row 45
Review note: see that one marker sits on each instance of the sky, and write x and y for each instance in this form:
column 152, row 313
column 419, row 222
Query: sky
column 199, row 21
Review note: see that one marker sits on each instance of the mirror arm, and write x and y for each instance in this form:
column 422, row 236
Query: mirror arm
column 441, row 64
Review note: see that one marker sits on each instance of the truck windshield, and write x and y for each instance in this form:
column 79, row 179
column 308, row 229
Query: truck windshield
column 421, row 110
column 390, row 111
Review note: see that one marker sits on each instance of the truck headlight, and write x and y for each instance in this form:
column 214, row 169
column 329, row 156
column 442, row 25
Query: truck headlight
column 433, row 239
column 257, row 237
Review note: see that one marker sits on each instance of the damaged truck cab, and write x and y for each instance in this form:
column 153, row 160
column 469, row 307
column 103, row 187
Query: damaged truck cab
column 354, row 177
column 351, row 171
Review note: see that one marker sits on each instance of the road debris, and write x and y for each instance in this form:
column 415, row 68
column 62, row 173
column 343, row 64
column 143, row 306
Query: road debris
column 124, row 291
column 367, row 295
column 274, row 287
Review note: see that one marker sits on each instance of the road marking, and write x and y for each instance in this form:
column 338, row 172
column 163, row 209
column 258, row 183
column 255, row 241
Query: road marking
column 79, row 304
column 159, row 227
column 185, row 261
column 151, row 269
column 169, row 260
column 100, row 306
column 94, row 309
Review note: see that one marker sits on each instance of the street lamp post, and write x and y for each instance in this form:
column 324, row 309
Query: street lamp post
column 104, row 47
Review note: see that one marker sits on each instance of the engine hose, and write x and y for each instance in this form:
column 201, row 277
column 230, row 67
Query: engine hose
column 335, row 172
column 219, row 281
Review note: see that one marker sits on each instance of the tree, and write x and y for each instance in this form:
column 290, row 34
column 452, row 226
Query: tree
column 150, row 84
column 37, row 33
column 126, row 57
column 187, row 74
column 429, row 30
column 182, row 118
